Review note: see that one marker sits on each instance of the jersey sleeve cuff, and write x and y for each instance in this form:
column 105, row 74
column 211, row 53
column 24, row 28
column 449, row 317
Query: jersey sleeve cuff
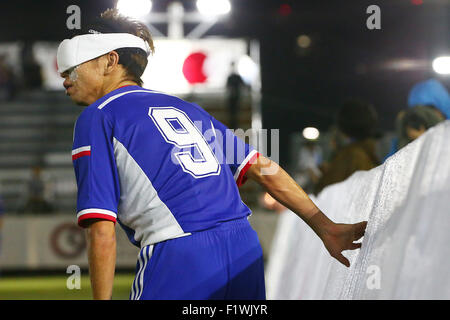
column 245, row 165
column 95, row 213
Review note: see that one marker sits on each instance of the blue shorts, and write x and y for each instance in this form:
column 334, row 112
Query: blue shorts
column 224, row 262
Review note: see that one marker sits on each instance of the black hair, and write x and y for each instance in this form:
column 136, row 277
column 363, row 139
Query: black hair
column 357, row 119
column 420, row 116
column 134, row 60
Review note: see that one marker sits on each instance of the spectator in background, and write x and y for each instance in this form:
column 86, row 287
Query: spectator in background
column 429, row 94
column 7, row 79
column 356, row 121
column 433, row 94
column 31, row 68
column 310, row 159
column 235, row 84
column 416, row 121
column 37, row 202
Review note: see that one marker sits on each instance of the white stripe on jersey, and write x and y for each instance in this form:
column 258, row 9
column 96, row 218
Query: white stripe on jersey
column 242, row 165
column 81, row 149
column 134, row 287
column 102, row 105
column 114, row 97
column 138, row 284
column 147, row 254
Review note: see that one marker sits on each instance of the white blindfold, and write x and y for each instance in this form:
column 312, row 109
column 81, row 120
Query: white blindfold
column 79, row 49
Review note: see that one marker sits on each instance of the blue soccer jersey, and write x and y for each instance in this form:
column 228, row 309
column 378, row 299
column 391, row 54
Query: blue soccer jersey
column 160, row 166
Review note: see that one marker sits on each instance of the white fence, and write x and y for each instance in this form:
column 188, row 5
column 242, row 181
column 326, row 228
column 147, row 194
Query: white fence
column 406, row 250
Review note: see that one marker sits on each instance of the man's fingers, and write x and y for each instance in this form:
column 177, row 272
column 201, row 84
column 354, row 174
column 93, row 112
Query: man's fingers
column 354, row 246
column 360, row 229
column 342, row 260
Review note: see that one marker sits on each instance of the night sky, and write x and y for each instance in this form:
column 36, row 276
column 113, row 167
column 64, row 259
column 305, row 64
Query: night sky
column 301, row 87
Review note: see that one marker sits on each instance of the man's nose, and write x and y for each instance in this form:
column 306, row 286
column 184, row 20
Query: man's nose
column 66, row 83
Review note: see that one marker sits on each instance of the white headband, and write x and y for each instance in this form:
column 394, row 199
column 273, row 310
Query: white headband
column 79, row 49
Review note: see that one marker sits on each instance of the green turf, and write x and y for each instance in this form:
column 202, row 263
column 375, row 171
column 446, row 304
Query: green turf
column 55, row 288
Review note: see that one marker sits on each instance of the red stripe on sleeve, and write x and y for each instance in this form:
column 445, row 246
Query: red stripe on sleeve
column 81, row 154
column 241, row 178
column 82, row 219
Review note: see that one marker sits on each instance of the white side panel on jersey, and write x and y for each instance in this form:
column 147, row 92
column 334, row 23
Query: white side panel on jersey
column 140, row 207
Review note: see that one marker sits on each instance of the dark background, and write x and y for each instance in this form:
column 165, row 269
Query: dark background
column 301, row 87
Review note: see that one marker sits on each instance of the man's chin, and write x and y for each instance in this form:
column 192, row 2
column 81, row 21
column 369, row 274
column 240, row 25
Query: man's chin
column 78, row 102
column 81, row 103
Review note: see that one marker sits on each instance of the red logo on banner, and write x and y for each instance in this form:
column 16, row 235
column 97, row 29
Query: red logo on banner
column 193, row 68
column 67, row 240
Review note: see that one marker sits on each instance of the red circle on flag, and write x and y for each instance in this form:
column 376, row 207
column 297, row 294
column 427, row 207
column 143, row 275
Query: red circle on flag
column 193, row 68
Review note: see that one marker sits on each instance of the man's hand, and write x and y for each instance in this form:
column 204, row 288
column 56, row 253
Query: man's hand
column 279, row 184
column 340, row 237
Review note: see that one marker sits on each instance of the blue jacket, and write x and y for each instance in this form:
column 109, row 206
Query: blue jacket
column 430, row 92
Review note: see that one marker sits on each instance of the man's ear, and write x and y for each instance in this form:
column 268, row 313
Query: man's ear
column 112, row 60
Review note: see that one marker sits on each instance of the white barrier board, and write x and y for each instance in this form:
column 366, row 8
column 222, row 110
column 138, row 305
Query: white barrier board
column 52, row 241
column 405, row 253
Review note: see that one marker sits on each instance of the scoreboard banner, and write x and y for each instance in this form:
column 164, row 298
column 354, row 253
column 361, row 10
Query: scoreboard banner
column 177, row 66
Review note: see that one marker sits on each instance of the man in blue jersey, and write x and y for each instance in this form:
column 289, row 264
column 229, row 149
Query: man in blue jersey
column 168, row 173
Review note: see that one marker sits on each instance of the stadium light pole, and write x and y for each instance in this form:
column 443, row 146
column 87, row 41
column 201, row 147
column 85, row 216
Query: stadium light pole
column 209, row 13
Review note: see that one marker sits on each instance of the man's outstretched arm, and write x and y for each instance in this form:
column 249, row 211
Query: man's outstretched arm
column 101, row 245
column 278, row 183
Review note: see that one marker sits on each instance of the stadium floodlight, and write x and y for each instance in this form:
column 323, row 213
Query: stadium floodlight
column 134, row 8
column 311, row 133
column 213, row 7
column 441, row 65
